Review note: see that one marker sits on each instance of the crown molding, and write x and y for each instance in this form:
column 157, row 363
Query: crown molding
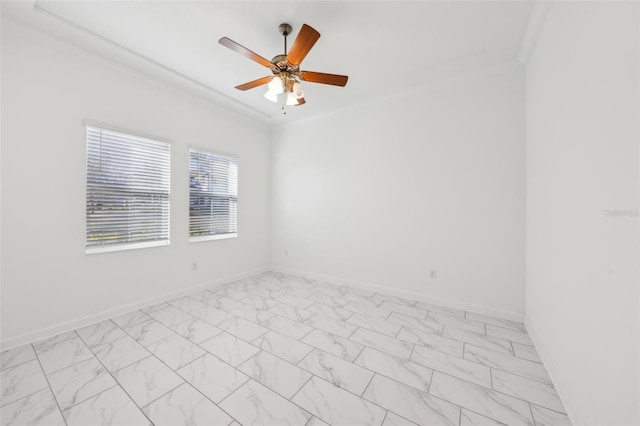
column 511, row 66
column 534, row 28
column 68, row 31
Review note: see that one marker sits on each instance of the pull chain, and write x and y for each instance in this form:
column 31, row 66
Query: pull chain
column 284, row 103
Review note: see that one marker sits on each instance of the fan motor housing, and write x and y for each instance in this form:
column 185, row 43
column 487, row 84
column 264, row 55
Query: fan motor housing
column 281, row 65
column 279, row 59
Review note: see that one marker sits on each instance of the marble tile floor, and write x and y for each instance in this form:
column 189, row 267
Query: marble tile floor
column 276, row 349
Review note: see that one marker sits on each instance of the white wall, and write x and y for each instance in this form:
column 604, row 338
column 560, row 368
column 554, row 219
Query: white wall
column 582, row 159
column 48, row 89
column 429, row 179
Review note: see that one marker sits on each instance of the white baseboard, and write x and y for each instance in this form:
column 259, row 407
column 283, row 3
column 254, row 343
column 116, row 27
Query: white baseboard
column 110, row 313
column 101, row 316
column 422, row 297
column 554, row 374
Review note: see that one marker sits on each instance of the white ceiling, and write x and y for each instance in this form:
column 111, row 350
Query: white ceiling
column 383, row 46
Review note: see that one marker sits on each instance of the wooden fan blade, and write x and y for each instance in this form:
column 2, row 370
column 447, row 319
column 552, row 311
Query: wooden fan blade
column 301, row 101
column 227, row 42
column 255, row 83
column 320, row 77
column 303, row 43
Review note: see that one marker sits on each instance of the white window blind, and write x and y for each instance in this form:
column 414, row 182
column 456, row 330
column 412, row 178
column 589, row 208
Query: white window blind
column 213, row 195
column 128, row 181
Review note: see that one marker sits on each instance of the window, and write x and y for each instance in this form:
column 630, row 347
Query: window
column 127, row 191
column 213, row 196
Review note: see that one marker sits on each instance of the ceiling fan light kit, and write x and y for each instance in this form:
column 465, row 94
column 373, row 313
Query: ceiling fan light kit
column 286, row 68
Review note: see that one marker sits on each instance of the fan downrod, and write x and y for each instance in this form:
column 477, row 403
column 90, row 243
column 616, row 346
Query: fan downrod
column 285, row 30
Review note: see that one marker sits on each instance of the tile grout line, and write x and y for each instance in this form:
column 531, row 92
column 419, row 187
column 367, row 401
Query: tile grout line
column 368, row 384
column 49, row 385
column 230, row 393
column 358, row 356
column 403, row 417
column 272, row 390
column 550, row 409
column 134, row 362
column 175, row 371
column 296, row 392
column 233, row 419
column 51, row 338
column 463, row 355
column 508, row 371
column 319, row 378
column 399, row 330
column 373, row 372
column 310, row 331
column 493, row 390
column 491, row 377
column 114, row 379
column 532, row 416
column 297, row 364
column 365, row 346
column 190, row 362
column 433, row 372
column 351, row 335
column 167, row 393
column 454, row 404
column 463, row 341
column 26, row 396
column 481, row 365
column 484, row 415
column 69, row 366
column 248, row 343
column 92, row 396
column 411, row 354
column 400, row 383
column 287, row 288
column 385, row 417
column 18, row 365
column 29, row 394
column 347, row 390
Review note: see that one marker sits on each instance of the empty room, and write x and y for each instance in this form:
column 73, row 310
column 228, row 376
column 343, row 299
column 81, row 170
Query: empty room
column 311, row 213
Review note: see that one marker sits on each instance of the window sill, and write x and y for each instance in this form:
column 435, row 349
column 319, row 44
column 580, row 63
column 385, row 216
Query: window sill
column 123, row 247
column 212, row 237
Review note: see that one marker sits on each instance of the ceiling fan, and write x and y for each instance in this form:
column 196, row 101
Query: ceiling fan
column 286, row 67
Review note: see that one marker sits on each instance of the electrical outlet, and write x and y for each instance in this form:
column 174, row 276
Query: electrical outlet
column 286, row 252
column 194, row 266
column 434, row 274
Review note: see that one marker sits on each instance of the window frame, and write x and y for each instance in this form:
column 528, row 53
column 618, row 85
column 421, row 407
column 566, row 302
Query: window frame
column 211, row 237
column 132, row 245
